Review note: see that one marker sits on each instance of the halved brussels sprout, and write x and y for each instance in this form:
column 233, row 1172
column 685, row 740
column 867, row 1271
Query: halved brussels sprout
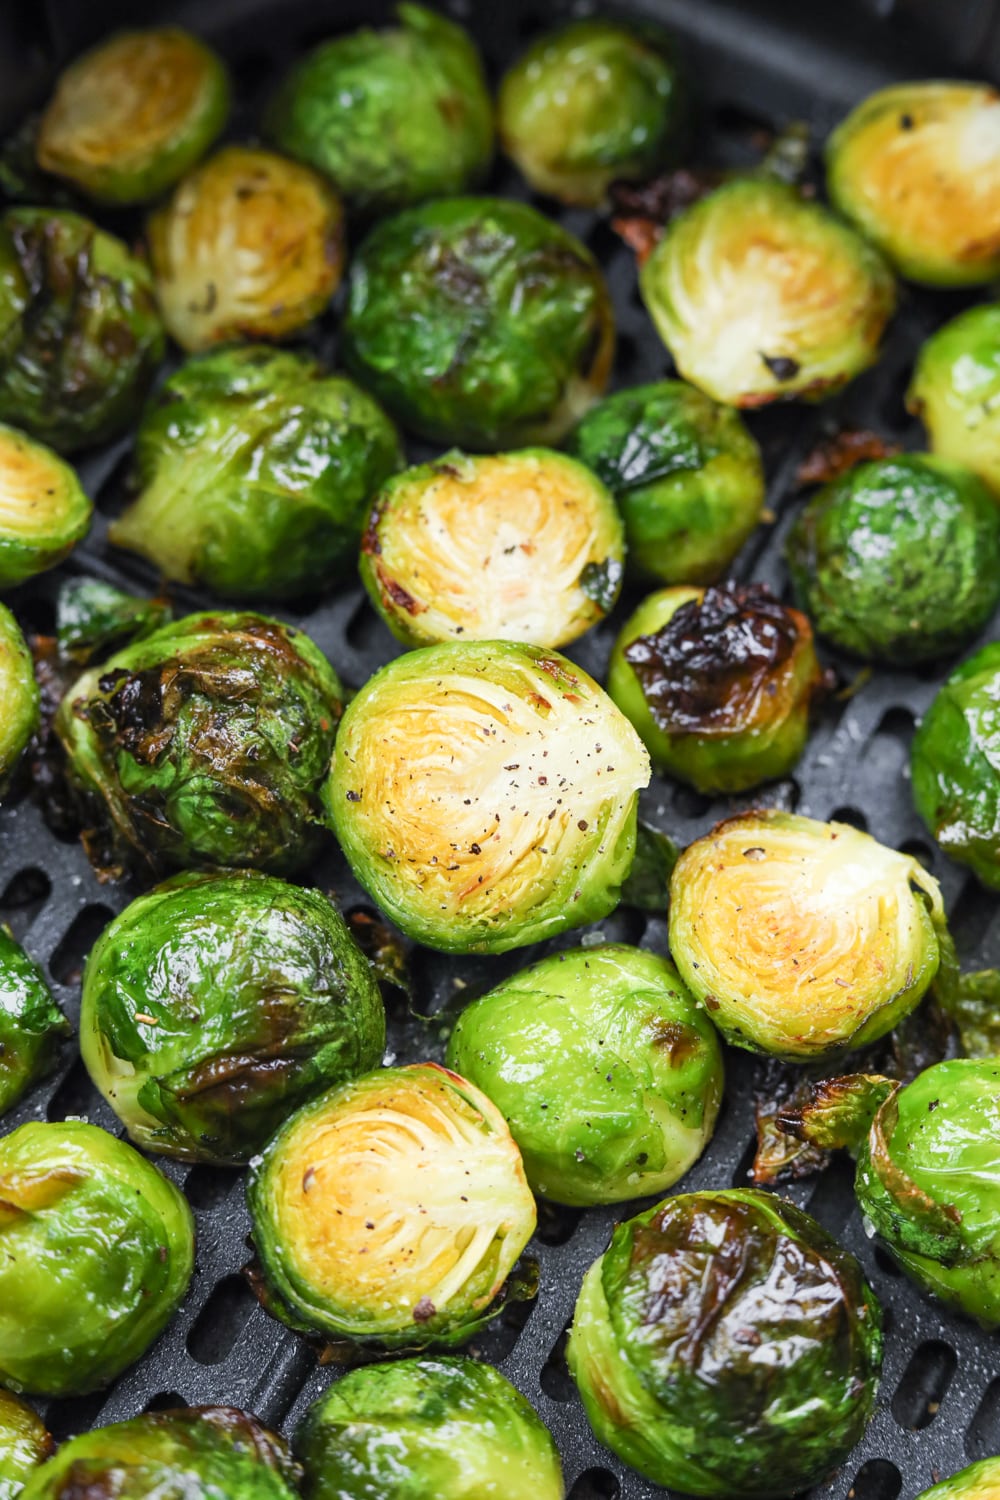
column 256, row 469
column 523, row 546
column 425, row 1428
column 718, row 682
column 44, row 510
column 979, row 1481
column 725, row 1345
column 485, row 795
column 955, row 391
column 608, row 1074
column 31, row 1024
column 24, row 1444
column 80, row 331
column 96, row 1252
column 898, row 561
column 802, row 938
column 391, row 1210
column 478, row 321
column 206, row 743
column 761, row 295
column 685, row 472
column 917, row 168
column 391, row 116
column 19, row 695
column 250, row 246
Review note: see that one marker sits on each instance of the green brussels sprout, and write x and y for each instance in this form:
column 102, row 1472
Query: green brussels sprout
column 44, row 510
column 31, row 1024
column 249, row 246
column 96, row 1252
column 979, row 1481
column 256, row 468
column 685, row 472
column 390, row 1210
column 94, row 618
column 80, row 331
column 898, row 561
column 216, row 1004
column 916, row 167
column 19, row 695
column 591, row 102
column 24, row 1444
column 608, row 1074
column 718, row 683
column 485, row 795
column 761, row 295
column 955, row 391
column 424, row 1428
column 392, row 116
column 206, row 743
column 803, row 939
column 524, row 546
column 478, row 321
column 726, row 1345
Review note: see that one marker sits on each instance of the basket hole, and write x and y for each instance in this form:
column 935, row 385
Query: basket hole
column 499, row 1339
column 69, row 1415
column 66, row 963
column 924, row 1384
column 595, row 1484
column 899, row 723
column 982, row 1439
column 556, row 1222
column 23, row 898
column 744, row 1167
column 221, row 1321
column 689, row 803
column 878, row 1479
column 74, row 1096
column 853, row 816
column 206, row 1186
column 165, row 1401
column 920, row 851
column 885, row 1262
column 972, row 916
column 555, row 1379
column 832, row 1201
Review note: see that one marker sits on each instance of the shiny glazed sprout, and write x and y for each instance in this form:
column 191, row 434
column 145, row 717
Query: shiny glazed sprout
column 979, row 1481
column 24, row 1444
column 31, row 1024
column 19, row 695
column 955, row 391
column 44, row 511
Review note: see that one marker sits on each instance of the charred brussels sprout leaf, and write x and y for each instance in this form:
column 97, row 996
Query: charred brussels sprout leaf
column 44, row 511
column 975, row 1010
column 979, row 1481
column 485, row 795
column 480, row 322
column 955, row 391
column 523, row 546
column 256, row 469
column 725, row 1345
column 24, row 1444
column 96, row 1252
column 19, row 695
column 31, row 1024
column 94, row 618
column 391, row 1210
column 761, row 295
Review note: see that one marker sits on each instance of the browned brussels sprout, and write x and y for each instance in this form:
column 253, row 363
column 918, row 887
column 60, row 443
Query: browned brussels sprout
column 19, row 695
column 31, row 1023
column 44, row 510
column 24, row 1444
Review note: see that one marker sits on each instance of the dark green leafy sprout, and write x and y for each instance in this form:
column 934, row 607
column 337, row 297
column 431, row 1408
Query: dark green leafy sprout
column 718, row 682
column 21, row 178
column 725, row 1345
column 485, row 795
column 391, row 116
column 979, row 1481
column 31, row 1024
column 391, row 1210
column 24, row 1444
column 478, row 321
column 761, row 295
column 974, row 1007
column 524, row 546
column 256, row 469
column 80, row 331
column 206, row 743
column 94, row 618
column 803, row 938
column 647, row 886
column 44, row 511
column 955, row 391
column 685, row 472
column 19, row 695
column 898, row 561
column 96, row 1252
column 424, row 1428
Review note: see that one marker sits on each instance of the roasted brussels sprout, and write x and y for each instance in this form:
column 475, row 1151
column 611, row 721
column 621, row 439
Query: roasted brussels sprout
column 725, row 1345
column 44, row 511
column 898, row 561
column 96, row 1252
column 80, row 331
column 250, row 246
column 93, row 618
column 206, row 743
column 256, row 469
column 979, row 1481
column 485, row 794
column 391, row 1210
column 480, row 322
column 685, row 472
column 24, row 1444
column 917, row 168
column 392, row 116
column 802, row 938
column 19, row 695
column 955, row 391
column 424, row 1428
column 718, row 682
column 761, row 295
column 31, row 1024
column 523, row 546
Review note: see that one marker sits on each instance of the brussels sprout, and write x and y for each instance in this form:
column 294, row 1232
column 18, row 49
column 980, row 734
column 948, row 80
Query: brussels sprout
column 917, row 168
column 80, row 331
column 96, row 1252
column 979, row 1481
column 899, row 560
column 249, row 246
column 802, row 938
column 725, row 1345
column 94, row 618
column 424, row 1428
column 480, row 322
column 31, row 1024
column 955, row 391
column 44, row 511
column 718, row 682
column 24, row 1444
column 761, row 295
column 206, row 743
column 391, row 1210
column 256, row 469
column 523, row 546
column 392, row 116
column 685, row 472
column 485, row 795
column 19, row 695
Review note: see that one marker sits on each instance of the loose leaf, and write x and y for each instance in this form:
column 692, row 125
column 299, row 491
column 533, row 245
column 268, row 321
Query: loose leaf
column 647, row 887
column 838, row 1112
